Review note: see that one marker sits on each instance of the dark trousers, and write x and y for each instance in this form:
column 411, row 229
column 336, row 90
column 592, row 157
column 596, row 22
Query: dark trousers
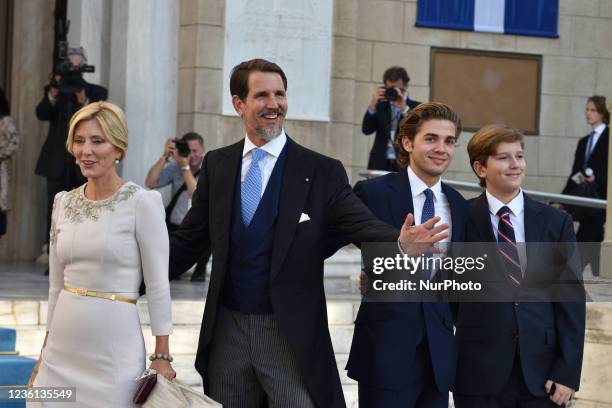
column 514, row 395
column 200, row 269
column 422, row 391
column 591, row 231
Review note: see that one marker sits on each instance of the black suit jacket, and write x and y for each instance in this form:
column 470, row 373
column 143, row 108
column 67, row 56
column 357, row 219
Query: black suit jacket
column 380, row 122
column 598, row 162
column 387, row 333
column 550, row 335
column 54, row 160
column 312, row 184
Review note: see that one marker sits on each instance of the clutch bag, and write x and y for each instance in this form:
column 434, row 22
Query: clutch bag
column 176, row 394
column 146, row 383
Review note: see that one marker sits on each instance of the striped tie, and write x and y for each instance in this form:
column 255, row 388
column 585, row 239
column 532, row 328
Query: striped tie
column 507, row 246
column 251, row 187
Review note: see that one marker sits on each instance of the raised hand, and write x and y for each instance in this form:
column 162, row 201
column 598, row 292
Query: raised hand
column 424, row 235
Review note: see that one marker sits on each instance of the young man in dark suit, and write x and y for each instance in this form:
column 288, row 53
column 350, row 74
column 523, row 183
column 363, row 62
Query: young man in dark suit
column 515, row 354
column 403, row 353
column 388, row 106
column 264, row 205
column 592, row 153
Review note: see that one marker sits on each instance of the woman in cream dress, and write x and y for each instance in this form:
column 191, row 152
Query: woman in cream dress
column 106, row 237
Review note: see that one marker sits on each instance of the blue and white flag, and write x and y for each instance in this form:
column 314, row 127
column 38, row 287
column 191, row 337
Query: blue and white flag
column 519, row 17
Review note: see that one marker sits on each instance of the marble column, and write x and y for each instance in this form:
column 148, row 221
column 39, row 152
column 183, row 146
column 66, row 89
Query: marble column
column 605, row 260
column 143, row 77
column 31, row 64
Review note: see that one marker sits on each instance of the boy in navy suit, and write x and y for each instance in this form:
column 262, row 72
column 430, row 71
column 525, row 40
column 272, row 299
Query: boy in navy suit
column 403, row 354
column 513, row 354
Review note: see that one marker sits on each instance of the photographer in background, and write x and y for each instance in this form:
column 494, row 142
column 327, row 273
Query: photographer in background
column 66, row 93
column 389, row 104
column 188, row 153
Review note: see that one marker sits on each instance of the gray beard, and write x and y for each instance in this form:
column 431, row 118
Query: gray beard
column 268, row 134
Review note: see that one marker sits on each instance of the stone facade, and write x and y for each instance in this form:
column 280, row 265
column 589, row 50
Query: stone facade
column 371, row 35
column 368, row 36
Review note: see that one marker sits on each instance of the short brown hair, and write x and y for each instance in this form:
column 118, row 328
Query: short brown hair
column 484, row 144
column 193, row 136
column 600, row 106
column 411, row 124
column 239, row 80
column 393, row 74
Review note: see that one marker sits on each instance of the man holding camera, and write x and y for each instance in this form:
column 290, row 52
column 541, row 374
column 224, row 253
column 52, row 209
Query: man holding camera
column 388, row 106
column 63, row 96
column 182, row 174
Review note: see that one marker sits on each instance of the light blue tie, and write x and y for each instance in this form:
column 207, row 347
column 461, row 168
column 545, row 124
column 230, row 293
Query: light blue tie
column 251, row 187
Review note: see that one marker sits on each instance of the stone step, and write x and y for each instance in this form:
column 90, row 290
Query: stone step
column 28, row 318
column 184, row 340
column 184, row 312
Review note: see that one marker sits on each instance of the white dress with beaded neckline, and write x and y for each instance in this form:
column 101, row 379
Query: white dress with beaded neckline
column 108, row 246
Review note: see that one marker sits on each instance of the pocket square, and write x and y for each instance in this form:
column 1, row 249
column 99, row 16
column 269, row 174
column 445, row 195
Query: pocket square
column 304, row 217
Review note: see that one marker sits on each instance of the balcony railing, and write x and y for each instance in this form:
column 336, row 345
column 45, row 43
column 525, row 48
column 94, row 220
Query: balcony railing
column 537, row 195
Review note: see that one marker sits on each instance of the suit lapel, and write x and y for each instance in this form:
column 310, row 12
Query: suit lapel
column 457, row 219
column 534, row 232
column 601, row 147
column 534, row 222
column 297, row 178
column 479, row 214
column 222, row 196
column 400, row 207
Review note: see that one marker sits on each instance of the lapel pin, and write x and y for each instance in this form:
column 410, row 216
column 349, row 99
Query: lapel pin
column 307, row 180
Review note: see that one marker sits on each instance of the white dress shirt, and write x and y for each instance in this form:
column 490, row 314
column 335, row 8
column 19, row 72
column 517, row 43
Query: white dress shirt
column 517, row 218
column 273, row 149
column 441, row 205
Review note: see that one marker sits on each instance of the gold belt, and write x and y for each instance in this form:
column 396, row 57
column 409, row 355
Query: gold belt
column 91, row 293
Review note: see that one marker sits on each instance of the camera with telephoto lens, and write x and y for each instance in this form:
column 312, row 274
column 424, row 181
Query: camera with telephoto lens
column 391, row 94
column 182, row 147
column 71, row 80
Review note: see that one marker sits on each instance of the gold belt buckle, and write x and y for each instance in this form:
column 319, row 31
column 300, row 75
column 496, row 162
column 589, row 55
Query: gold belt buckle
column 81, row 292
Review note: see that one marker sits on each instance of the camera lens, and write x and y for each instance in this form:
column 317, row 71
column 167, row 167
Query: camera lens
column 391, row 94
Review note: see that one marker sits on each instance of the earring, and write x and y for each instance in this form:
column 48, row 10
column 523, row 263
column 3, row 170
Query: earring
column 77, row 161
column 116, row 161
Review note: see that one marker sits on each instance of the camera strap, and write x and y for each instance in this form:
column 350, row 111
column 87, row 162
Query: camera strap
column 175, row 197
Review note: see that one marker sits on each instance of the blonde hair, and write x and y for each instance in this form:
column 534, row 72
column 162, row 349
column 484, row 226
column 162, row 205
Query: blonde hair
column 111, row 119
column 484, row 144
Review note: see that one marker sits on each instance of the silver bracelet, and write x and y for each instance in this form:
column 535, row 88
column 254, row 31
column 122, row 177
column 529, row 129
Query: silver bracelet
column 161, row 356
